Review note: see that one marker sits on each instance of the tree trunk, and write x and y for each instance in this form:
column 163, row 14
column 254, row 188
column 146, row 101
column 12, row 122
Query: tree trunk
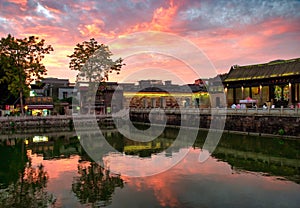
column 89, row 108
column 21, row 102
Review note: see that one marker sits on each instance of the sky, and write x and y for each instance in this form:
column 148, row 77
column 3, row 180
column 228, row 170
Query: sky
column 225, row 32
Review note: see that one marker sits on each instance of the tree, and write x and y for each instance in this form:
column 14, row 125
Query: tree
column 6, row 97
column 94, row 63
column 21, row 62
column 95, row 184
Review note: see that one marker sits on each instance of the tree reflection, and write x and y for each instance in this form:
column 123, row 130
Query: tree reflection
column 95, row 184
column 12, row 161
column 28, row 190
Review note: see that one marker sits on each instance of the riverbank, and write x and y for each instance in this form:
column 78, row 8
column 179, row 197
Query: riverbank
column 272, row 122
column 283, row 123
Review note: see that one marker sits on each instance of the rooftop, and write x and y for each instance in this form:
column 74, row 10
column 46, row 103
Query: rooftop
column 277, row 68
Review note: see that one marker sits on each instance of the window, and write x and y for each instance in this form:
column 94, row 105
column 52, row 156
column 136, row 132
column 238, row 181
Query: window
column 65, row 95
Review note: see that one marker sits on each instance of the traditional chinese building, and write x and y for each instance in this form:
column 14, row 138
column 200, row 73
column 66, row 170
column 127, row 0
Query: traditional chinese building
column 108, row 98
column 275, row 83
column 156, row 94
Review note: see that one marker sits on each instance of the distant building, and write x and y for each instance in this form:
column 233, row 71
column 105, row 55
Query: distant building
column 56, row 88
column 39, row 105
column 59, row 90
column 103, row 98
column 276, row 83
column 155, row 94
column 66, row 92
column 52, row 86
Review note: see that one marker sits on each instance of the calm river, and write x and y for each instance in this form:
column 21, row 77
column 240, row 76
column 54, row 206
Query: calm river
column 53, row 170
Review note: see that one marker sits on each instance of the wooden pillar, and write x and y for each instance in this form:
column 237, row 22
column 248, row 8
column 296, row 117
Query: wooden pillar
column 226, row 93
column 297, row 92
column 250, row 92
column 290, row 94
column 271, row 93
column 242, row 92
column 260, row 94
column 234, row 95
column 293, row 92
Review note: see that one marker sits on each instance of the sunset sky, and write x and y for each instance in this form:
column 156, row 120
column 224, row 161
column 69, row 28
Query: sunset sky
column 228, row 32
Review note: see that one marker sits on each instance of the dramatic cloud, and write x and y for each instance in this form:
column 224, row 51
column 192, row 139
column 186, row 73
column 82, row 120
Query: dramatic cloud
column 229, row 32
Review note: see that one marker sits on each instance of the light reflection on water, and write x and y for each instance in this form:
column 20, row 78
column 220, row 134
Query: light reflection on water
column 243, row 172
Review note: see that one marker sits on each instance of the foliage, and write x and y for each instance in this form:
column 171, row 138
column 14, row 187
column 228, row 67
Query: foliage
column 21, row 62
column 93, row 61
column 281, row 131
column 95, row 184
column 12, row 161
column 6, row 97
column 28, row 190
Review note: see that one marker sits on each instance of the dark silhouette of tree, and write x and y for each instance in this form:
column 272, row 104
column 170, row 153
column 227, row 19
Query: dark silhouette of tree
column 12, row 161
column 94, row 63
column 29, row 190
column 95, row 184
column 21, row 62
column 6, row 97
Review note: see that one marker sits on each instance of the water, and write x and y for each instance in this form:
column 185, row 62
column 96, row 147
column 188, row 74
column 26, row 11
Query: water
column 53, row 170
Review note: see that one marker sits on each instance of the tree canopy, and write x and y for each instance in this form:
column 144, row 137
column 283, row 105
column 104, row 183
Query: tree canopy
column 21, row 62
column 93, row 61
column 6, row 97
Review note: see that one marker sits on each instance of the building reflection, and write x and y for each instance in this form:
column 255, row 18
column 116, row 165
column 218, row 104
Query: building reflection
column 54, row 147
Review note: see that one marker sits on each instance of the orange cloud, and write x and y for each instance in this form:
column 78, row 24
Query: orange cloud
column 21, row 2
column 162, row 20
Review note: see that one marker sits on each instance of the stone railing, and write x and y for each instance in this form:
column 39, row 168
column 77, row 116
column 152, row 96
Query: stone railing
column 228, row 111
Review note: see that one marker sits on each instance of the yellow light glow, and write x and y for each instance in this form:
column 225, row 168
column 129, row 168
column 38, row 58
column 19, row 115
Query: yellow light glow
column 40, row 139
column 163, row 94
column 155, row 94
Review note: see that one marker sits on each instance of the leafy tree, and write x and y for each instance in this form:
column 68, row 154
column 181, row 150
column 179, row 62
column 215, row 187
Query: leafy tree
column 21, row 62
column 6, row 97
column 94, row 63
column 95, row 184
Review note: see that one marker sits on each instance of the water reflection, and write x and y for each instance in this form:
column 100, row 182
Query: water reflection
column 23, row 185
column 95, row 184
column 54, row 170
